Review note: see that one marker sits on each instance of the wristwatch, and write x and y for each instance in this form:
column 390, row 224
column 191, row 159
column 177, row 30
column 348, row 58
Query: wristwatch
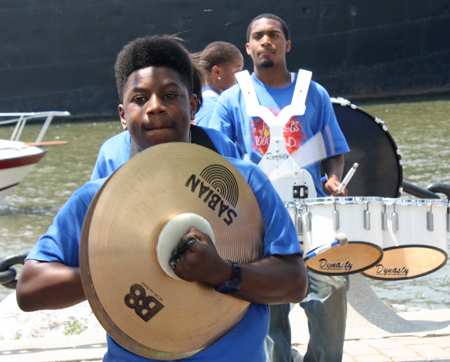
column 232, row 285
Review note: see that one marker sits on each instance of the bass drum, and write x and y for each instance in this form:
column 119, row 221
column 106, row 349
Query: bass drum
column 380, row 171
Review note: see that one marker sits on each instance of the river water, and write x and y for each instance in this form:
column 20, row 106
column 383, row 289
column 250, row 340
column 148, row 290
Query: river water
column 421, row 130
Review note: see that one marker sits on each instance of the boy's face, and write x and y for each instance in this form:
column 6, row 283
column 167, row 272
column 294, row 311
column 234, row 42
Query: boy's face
column 267, row 45
column 156, row 107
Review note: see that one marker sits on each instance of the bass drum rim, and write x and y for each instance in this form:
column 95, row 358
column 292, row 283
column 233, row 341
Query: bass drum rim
column 380, row 171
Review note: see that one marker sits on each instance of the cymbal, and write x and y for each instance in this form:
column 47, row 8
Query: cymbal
column 139, row 305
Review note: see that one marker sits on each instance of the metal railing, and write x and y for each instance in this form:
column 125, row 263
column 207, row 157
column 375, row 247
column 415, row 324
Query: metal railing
column 23, row 117
column 431, row 192
column 8, row 274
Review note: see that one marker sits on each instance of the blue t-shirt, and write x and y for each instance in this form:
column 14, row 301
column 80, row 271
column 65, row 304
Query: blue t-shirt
column 245, row 342
column 252, row 134
column 210, row 97
column 116, row 151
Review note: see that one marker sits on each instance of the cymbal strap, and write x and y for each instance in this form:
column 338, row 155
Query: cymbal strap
column 175, row 259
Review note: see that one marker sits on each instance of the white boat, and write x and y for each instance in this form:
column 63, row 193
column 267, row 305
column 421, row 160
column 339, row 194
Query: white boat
column 18, row 158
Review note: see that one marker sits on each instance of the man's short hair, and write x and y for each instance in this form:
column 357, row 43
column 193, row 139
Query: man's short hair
column 284, row 27
column 156, row 51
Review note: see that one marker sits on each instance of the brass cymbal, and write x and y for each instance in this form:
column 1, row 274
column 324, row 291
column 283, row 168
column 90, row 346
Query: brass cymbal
column 118, row 262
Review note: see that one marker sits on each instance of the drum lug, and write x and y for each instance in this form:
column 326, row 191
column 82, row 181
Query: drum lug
column 384, row 221
column 367, row 219
column 448, row 221
column 335, row 217
column 299, row 224
column 307, row 222
column 430, row 223
column 394, row 222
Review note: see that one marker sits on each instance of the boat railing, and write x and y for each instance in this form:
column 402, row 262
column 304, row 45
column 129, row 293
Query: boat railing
column 21, row 118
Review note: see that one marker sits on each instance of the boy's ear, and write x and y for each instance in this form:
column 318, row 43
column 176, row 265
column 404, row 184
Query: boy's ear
column 247, row 48
column 288, row 46
column 193, row 106
column 122, row 117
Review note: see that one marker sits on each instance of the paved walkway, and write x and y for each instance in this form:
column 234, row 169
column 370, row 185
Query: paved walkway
column 374, row 333
column 377, row 345
column 394, row 348
column 403, row 348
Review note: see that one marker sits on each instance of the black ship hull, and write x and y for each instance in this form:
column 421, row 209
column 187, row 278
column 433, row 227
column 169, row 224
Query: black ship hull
column 59, row 54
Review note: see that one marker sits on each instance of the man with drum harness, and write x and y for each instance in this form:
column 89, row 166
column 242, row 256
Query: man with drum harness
column 259, row 130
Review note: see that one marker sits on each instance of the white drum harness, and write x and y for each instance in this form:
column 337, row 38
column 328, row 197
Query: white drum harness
column 277, row 163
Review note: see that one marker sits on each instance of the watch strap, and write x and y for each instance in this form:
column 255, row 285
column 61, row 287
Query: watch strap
column 232, row 285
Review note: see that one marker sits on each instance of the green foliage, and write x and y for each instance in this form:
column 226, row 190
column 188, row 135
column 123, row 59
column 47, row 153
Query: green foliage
column 426, row 300
column 72, row 328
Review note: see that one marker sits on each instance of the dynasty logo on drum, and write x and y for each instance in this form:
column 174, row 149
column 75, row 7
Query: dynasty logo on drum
column 218, row 188
column 401, row 271
column 338, row 266
column 146, row 307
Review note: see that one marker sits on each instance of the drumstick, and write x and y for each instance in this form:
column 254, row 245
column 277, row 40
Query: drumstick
column 341, row 240
column 347, row 178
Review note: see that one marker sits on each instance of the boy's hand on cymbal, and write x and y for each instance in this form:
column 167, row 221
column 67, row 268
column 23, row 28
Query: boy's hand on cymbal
column 201, row 262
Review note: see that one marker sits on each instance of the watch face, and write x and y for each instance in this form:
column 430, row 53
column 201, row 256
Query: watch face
column 228, row 287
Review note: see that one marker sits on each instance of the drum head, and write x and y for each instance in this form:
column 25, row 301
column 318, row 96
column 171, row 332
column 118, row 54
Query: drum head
column 372, row 147
column 408, row 262
column 353, row 258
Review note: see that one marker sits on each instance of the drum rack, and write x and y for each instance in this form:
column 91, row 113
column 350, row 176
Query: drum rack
column 429, row 193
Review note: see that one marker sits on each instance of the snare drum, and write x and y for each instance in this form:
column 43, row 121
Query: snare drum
column 414, row 239
column 357, row 218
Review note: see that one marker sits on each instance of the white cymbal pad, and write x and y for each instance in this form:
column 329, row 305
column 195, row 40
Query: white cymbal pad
column 172, row 233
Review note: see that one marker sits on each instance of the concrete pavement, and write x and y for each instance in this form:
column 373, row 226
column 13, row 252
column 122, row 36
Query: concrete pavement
column 375, row 333
column 394, row 348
